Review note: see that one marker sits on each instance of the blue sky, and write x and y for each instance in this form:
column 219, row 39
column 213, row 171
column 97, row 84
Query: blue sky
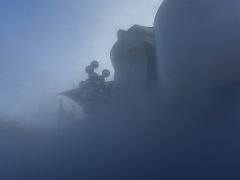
column 46, row 44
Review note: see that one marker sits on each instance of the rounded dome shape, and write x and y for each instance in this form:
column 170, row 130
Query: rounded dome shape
column 94, row 64
column 89, row 69
column 197, row 44
column 106, row 73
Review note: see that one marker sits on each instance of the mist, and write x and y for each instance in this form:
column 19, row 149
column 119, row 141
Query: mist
column 45, row 47
column 131, row 89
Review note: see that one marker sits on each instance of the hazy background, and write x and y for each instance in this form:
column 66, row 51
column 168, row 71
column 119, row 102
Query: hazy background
column 46, row 44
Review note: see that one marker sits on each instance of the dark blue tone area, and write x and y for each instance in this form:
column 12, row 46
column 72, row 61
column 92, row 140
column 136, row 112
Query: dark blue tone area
column 183, row 125
column 49, row 43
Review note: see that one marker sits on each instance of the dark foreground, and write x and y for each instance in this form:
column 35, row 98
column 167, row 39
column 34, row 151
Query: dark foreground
column 185, row 141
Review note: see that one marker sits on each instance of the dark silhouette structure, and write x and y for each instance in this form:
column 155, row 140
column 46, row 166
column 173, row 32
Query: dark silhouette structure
column 93, row 91
column 186, row 126
column 134, row 60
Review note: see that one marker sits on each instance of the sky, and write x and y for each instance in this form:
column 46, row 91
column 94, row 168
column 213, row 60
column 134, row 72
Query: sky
column 45, row 46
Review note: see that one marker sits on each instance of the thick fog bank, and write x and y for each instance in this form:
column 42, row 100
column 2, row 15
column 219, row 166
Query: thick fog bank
column 186, row 126
column 143, row 138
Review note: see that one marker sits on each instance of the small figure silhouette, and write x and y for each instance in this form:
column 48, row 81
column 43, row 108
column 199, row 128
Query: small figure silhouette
column 105, row 74
column 94, row 64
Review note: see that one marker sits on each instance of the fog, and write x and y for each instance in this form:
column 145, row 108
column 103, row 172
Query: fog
column 184, row 124
column 45, row 47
